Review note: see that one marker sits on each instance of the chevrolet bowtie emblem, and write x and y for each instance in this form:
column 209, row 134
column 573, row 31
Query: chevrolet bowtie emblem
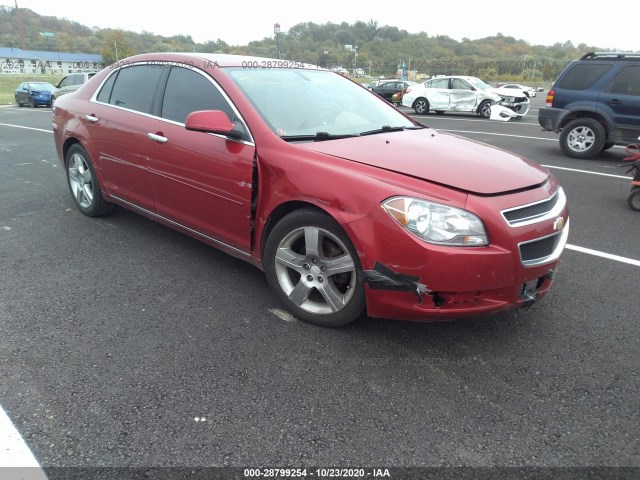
column 558, row 224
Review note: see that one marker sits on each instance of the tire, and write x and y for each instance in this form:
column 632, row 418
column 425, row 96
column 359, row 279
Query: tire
column 421, row 106
column 634, row 200
column 20, row 104
column 83, row 183
column 440, row 112
column 484, row 109
column 32, row 104
column 298, row 273
column 582, row 138
column 607, row 146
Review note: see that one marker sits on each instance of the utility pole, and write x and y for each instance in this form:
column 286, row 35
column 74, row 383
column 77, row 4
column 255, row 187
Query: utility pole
column 20, row 27
column 276, row 31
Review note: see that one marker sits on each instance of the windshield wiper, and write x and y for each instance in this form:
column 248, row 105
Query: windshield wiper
column 318, row 137
column 388, row 128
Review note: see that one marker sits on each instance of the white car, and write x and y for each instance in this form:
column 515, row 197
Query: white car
column 462, row 94
column 528, row 91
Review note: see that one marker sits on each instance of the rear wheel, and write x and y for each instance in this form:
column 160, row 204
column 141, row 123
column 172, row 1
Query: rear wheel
column 83, row 183
column 314, row 270
column 582, row 138
column 634, row 200
column 421, row 106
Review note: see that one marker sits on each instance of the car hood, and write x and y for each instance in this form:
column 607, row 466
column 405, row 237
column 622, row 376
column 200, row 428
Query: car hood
column 509, row 92
column 439, row 157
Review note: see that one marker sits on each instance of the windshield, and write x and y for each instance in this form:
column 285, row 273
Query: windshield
column 315, row 103
column 41, row 87
column 476, row 82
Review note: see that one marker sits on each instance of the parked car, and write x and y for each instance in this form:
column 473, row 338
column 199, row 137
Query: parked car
column 34, row 94
column 388, row 89
column 70, row 83
column 348, row 205
column 461, row 94
column 595, row 103
column 528, row 91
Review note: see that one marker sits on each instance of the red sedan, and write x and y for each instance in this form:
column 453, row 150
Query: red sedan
column 348, row 205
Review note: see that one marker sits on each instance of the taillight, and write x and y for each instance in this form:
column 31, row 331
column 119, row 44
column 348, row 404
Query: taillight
column 549, row 101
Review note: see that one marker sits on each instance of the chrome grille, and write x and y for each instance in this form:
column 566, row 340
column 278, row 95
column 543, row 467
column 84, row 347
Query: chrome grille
column 536, row 212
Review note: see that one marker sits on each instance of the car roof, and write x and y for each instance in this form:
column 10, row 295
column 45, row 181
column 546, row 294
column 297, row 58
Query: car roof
column 217, row 59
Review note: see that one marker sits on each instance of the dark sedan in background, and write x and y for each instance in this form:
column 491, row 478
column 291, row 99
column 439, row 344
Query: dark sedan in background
column 34, row 94
column 388, row 89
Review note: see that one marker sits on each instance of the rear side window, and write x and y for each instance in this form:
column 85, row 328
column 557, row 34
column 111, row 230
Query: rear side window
column 626, row 82
column 583, row 75
column 135, row 86
column 441, row 83
column 105, row 91
column 188, row 91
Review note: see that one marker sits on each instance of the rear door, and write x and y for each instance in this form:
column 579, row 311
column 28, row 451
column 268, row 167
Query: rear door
column 620, row 100
column 118, row 124
column 437, row 92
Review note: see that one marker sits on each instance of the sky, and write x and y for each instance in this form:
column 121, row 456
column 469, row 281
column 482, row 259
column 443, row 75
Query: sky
column 539, row 23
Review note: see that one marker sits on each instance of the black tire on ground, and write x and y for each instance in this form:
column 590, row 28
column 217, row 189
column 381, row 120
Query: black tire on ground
column 484, row 109
column 582, row 138
column 607, row 146
column 634, row 200
column 314, row 270
column 83, row 183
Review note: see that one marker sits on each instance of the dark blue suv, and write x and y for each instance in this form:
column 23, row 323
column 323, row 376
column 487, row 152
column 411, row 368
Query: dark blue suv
column 595, row 103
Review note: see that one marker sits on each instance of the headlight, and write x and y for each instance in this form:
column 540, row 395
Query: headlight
column 436, row 223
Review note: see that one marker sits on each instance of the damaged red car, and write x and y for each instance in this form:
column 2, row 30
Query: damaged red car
column 349, row 206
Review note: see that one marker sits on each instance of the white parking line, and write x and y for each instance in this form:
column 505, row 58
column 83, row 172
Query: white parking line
column 617, row 258
column 587, row 171
column 26, row 128
column 15, row 454
column 498, row 134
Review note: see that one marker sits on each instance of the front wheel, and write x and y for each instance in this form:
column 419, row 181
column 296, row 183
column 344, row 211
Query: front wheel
column 314, row 270
column 83, row 183
column 582, row 138
column 485, row 109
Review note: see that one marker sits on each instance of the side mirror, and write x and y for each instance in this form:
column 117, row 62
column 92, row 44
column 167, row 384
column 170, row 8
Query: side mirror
column 212, row 121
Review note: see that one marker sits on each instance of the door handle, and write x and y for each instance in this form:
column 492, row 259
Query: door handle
column 157, row 138
column 614, row 102
column 91, row 118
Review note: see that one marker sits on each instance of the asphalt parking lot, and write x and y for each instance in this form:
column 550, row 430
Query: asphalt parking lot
column 127, row 344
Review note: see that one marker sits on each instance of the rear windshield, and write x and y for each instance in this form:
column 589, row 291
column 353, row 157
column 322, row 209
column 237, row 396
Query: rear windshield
column 583, row 75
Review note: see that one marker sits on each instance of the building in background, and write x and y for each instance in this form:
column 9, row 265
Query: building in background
column 18, row 61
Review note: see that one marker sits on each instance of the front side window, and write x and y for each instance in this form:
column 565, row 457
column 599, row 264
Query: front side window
column 188, row 91
column 438, row 83
column 458, row 84
column 626, row 82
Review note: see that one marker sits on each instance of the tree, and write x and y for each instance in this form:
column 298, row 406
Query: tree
column 115, row 46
